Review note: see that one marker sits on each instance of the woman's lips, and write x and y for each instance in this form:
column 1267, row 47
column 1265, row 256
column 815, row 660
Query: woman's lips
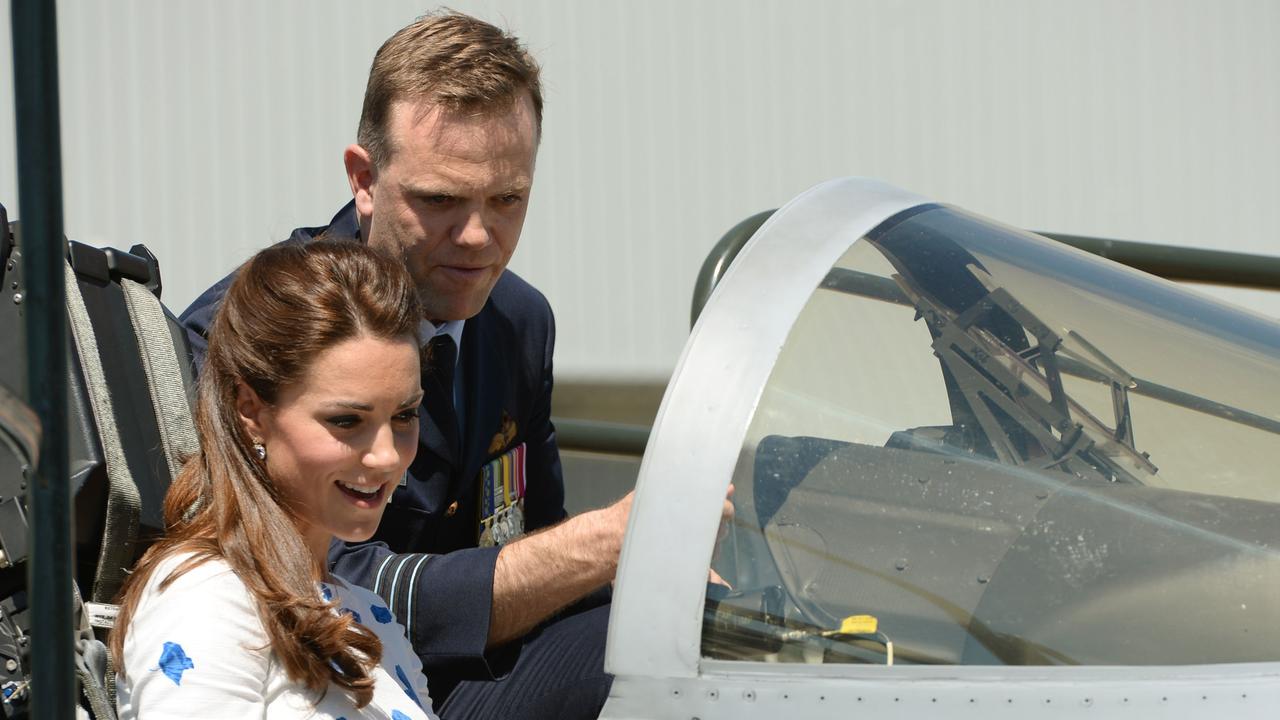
column 369, row 496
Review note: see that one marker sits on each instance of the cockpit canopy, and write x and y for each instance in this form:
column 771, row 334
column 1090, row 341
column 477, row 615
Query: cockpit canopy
column 979, row 446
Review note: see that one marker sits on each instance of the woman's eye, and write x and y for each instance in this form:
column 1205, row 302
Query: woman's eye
column 343, row 421
column 407, row 415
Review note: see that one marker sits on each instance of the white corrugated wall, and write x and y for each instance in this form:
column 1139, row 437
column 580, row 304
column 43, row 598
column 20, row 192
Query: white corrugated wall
column 209, row 129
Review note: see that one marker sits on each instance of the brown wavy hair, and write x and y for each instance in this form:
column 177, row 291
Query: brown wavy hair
column 452, row 60
column 287, row 304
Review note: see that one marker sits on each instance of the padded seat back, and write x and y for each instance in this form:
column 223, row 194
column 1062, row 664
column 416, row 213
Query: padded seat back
column 129, row 388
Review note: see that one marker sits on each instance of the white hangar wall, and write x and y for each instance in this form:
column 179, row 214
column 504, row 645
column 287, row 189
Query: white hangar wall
column 209, row 129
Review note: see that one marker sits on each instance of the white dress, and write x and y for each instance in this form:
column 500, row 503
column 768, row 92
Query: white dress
column 198, row 650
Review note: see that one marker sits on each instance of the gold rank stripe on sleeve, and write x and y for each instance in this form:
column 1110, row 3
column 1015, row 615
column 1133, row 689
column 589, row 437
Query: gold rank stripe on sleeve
column 502, row 490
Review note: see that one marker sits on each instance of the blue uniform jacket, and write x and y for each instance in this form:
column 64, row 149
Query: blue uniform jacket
column 424, row 559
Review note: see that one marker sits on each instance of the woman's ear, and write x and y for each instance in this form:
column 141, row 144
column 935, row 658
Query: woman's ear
column 253, row 412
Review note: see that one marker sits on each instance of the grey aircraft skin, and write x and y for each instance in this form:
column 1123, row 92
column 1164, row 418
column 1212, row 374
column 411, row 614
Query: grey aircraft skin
column 976, row 473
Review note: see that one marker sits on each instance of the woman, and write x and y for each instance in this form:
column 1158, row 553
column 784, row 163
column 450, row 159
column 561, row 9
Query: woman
column 307, row 417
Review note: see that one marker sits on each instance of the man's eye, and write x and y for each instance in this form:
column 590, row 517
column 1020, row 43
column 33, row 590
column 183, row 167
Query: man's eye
column 437, row 200
column 511, row 199
column 343, row 421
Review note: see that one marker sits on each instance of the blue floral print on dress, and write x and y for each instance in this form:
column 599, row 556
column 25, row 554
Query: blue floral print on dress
column 174, row 662
column 404, row 680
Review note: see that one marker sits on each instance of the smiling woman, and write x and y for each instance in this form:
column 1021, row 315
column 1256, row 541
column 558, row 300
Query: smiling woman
column 307, row 417
column 336, row 442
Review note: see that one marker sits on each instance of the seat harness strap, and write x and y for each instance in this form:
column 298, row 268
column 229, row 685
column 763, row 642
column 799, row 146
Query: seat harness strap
column 164, row 377
column 123, row 504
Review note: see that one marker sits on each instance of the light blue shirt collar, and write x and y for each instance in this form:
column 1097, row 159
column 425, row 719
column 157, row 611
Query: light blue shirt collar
column 453, row 328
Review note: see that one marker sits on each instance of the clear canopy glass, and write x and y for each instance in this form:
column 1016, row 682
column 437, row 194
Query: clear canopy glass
column 978, row 446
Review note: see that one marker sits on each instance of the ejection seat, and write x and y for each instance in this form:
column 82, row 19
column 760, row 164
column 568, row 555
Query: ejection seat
column 129, row 392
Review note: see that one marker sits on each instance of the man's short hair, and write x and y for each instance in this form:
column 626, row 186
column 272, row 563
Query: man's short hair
column 452, row 60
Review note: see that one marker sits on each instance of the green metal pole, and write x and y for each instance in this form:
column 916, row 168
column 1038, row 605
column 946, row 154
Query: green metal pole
column 720, row 257
column 1218, row 267
column 35, row 71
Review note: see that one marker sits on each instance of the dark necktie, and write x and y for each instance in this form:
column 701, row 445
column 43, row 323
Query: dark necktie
column 437, row 388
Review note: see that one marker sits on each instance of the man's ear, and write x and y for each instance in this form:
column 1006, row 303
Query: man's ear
column 361, row 175
column 253, row 412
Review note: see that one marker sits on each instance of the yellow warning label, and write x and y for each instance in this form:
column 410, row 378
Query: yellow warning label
column 858, row 625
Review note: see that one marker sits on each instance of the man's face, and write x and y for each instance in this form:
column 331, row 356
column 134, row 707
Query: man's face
column 451, row 200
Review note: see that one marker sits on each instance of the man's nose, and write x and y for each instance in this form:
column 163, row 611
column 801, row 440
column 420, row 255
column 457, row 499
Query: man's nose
column 474, row 232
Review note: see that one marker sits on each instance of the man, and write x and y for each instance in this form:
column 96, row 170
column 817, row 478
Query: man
column 441, row 177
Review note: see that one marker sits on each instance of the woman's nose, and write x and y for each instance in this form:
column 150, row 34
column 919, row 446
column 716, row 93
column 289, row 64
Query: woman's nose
column 382, row 453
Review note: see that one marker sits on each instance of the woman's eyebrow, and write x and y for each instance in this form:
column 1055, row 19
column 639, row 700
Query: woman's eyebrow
column 349, row 405
column 413, row 399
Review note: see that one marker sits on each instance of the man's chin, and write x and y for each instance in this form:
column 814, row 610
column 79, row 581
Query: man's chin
column 442, row 312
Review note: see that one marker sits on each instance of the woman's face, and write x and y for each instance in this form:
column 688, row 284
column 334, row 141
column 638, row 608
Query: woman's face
column 339, row 440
